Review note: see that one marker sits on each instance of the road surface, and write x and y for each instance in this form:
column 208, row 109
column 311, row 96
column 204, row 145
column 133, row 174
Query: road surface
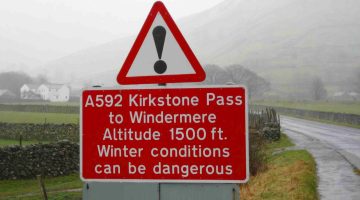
column 336, row 150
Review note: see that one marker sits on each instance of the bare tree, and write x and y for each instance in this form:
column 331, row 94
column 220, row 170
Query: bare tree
column 318, row 91
column 216, row 75
column 256, row 85
column 40, row 79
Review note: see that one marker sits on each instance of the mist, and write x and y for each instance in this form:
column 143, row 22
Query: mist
column 34, row 32
column 289, row 43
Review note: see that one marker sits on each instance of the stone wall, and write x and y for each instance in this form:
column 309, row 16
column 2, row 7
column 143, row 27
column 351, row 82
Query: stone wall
column 329, row 116
column 54, row 159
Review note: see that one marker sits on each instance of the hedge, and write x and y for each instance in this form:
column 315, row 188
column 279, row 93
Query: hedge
column 54, row 159
column 39, row 132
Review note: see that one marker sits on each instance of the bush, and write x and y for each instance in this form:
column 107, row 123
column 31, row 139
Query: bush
column 267, row 122
column 55, row 159
column 264, row 127
column 257, row 152
column 271, row 131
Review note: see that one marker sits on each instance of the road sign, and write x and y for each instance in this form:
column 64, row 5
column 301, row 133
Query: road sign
column 160, row 53
column 164, row 135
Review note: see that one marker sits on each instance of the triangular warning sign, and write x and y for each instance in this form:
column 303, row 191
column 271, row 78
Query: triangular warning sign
column 160, row 53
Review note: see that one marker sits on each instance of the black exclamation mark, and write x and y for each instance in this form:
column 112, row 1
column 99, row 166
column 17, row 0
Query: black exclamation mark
column 159, row 34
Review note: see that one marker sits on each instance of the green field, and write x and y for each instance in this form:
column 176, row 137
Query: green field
column 35, row 117
column 291, row 174
column 29, row 189
column 337, row 107
column 46, row 103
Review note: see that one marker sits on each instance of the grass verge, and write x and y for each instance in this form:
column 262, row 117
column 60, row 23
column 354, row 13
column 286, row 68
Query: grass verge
column 35, row 117
column 290, row 175
column 29, row 189
column 281, row 144
column 54, row 196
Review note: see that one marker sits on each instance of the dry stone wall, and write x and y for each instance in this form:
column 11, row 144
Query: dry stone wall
column 54, row 159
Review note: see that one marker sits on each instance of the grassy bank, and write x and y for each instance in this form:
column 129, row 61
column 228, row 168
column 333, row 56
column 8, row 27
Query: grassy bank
column 35, row 117
column 337, row 107
column 29, row 189
column 290, row 175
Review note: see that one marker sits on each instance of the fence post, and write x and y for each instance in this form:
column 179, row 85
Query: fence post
column 20, row 140
column 42, row 186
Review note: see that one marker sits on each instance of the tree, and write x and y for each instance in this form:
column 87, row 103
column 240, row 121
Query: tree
column 318, row 91
column 256, row 85
column 40, row 79
column 12, row 81
column 216, row 75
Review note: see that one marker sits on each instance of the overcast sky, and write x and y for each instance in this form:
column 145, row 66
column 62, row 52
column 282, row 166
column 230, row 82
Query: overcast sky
column 36, row 32
column 82, row 23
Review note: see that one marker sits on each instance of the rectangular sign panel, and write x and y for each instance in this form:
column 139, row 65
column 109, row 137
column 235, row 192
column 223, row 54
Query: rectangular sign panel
column 164, row 135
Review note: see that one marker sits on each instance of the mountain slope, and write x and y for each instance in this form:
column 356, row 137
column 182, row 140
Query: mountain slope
column 275, row 38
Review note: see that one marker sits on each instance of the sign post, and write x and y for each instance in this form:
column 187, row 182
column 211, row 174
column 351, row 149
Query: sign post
column 170, row 135
column 163, row 142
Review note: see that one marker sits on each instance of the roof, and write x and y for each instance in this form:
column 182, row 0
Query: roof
column 6, row 93
column 33, row 86
column 54, row 86
column 48, row 85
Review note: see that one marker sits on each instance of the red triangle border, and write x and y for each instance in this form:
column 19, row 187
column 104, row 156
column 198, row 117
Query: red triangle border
column 199, row 75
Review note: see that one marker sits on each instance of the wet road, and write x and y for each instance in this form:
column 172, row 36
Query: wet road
column 336, row 150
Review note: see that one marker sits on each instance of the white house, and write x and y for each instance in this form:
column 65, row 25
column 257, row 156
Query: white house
column 47, row 92
column 54, row 92
column 29, row 91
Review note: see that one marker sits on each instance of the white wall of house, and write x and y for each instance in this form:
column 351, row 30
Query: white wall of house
column 23, row 90
column 61, row 94
column 43, row 90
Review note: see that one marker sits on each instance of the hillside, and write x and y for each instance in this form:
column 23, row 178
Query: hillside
column 280, row 39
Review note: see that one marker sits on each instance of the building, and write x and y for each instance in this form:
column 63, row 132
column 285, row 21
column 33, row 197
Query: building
column 47, row 92
column 29, row 91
